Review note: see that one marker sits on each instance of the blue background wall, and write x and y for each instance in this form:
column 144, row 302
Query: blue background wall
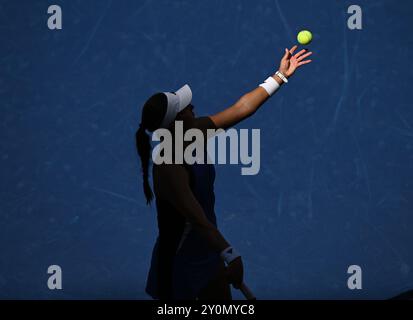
column 335, row 186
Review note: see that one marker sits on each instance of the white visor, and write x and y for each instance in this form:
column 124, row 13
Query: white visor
column 176, row 103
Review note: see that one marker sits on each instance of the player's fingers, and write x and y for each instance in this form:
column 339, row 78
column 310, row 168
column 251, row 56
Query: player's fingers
column 297, row 55
column 293, row 49
column 287, row 54
column 303, row 62
column 304, row 56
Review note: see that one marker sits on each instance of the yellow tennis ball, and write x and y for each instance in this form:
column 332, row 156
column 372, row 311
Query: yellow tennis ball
column 304, row 37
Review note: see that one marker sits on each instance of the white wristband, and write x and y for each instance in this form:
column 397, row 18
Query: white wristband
column 281, row 76
column 229, row 255
column 270, row 85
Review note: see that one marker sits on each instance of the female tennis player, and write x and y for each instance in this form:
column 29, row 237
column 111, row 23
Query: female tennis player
column 191, row 258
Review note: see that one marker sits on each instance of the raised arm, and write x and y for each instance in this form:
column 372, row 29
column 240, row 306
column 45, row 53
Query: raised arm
column 250, row 102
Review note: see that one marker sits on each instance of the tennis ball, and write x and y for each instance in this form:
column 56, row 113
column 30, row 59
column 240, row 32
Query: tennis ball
column 304, row 37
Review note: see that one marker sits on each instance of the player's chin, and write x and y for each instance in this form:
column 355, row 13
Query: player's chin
column 190, row 116
column 191, row 113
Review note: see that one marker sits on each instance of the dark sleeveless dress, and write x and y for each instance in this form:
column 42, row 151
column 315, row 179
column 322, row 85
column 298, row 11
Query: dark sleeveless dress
column 182, row 262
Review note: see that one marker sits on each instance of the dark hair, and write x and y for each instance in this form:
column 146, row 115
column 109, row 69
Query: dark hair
column 153, row 113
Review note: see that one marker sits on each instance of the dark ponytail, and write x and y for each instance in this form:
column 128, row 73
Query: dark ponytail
column 143, row 146
column 153, row 113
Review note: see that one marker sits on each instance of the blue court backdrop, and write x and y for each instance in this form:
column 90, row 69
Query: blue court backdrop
column 336, row 182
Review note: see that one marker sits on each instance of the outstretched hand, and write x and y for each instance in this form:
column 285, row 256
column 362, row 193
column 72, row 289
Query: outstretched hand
column 291, row 62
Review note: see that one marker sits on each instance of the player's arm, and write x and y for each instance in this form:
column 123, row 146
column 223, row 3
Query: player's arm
column 175, row 188
column 250, row 102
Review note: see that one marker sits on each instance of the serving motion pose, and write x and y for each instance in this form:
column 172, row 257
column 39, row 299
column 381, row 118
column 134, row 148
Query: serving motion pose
column 191, row 258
